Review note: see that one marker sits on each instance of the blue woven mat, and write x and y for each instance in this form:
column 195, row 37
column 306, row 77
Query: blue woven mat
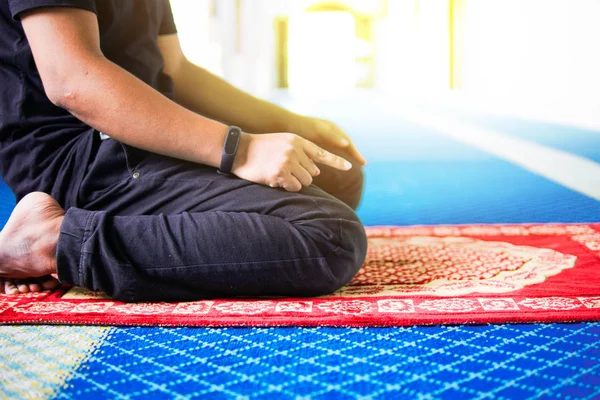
column 417, row 177
column 518, row 361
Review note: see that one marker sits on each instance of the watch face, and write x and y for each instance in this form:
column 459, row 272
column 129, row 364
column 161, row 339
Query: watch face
column 231, row 142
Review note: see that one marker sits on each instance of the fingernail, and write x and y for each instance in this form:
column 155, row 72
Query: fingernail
column 318, row 172
column 347, row 164
column 344, row 142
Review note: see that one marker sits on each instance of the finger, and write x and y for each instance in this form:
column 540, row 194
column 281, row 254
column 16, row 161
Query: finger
column 332, row 139
column 322, row 156
column 337, row 137
column 343, row 140
column 333, row 134
column 302, row 175
column 356, row 154
column 291, row 183
column 308, row 164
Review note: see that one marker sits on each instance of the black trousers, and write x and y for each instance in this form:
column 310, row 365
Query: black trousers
column 147, row 227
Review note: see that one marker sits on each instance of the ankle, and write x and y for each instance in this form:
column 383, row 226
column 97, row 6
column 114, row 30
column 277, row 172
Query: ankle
column 52, row 240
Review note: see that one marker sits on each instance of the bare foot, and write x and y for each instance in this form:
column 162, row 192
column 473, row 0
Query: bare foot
column 28, row 244
column 16, row 286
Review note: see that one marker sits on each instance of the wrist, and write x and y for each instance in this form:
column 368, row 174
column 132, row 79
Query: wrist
column 242, row 152
column 230, row 148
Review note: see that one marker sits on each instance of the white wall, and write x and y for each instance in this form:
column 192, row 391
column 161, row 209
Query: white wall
column 534, row 58
column 532, row 47
column 413, row 47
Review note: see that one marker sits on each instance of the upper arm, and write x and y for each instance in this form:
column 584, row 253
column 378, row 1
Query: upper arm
column 172, row 54
column 63, row 40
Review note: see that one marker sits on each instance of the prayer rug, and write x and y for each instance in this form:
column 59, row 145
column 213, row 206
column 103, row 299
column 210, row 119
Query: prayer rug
column 412, row 275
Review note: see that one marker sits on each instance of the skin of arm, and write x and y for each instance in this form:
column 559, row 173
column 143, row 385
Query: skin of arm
column 76, row 76
column 211, row 96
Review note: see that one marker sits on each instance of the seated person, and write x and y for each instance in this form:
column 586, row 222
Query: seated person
column 102, row 115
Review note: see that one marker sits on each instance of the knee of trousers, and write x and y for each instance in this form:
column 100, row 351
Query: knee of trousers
column 344, row 258
column 353, row 190
column 348, row 186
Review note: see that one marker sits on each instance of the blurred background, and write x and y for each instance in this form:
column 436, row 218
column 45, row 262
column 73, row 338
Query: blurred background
column 534, row 58
column 468, row 111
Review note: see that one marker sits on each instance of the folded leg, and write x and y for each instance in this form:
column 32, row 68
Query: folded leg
column 154, row 228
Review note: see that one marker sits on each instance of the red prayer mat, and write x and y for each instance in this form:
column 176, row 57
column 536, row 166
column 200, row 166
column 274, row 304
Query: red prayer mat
column 412, row 275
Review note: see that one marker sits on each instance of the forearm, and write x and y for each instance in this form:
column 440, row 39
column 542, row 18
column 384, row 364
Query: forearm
column 209, row 95
column 115, row 102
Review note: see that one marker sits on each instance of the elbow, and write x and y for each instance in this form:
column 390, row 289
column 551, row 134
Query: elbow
column 64, row 88
column 66, row 85
column 62, row 96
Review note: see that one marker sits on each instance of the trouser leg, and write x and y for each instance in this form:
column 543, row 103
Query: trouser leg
column 180, row 231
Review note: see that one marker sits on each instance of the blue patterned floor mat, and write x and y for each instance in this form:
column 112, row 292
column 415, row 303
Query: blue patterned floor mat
column 497, row 361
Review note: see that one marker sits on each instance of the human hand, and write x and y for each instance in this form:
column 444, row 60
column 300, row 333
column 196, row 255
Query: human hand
column 282, row 160
column 326, row 133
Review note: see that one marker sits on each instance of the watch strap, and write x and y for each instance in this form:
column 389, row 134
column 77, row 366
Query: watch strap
column 230, row 146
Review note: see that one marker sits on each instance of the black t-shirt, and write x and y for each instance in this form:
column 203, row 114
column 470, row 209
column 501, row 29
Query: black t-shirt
column 40, row 143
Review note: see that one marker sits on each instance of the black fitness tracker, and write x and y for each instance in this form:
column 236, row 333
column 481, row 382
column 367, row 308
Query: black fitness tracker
column 232, row 140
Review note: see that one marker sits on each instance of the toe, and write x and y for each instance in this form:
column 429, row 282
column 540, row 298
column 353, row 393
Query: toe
column 22, row 286
column 9, row 287
column 49, row 283
column 34, row 287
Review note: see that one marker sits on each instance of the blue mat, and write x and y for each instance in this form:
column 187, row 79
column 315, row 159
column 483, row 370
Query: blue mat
column 7, row 202
column 502, row 361
column 578, row 141
column 418, row 177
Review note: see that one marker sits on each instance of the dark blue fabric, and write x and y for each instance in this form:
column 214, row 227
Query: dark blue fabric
column 16, row 7
column 41, row 144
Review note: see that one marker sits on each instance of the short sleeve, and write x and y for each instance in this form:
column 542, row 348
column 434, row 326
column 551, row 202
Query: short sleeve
column 167, row 25
column 18, row 6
